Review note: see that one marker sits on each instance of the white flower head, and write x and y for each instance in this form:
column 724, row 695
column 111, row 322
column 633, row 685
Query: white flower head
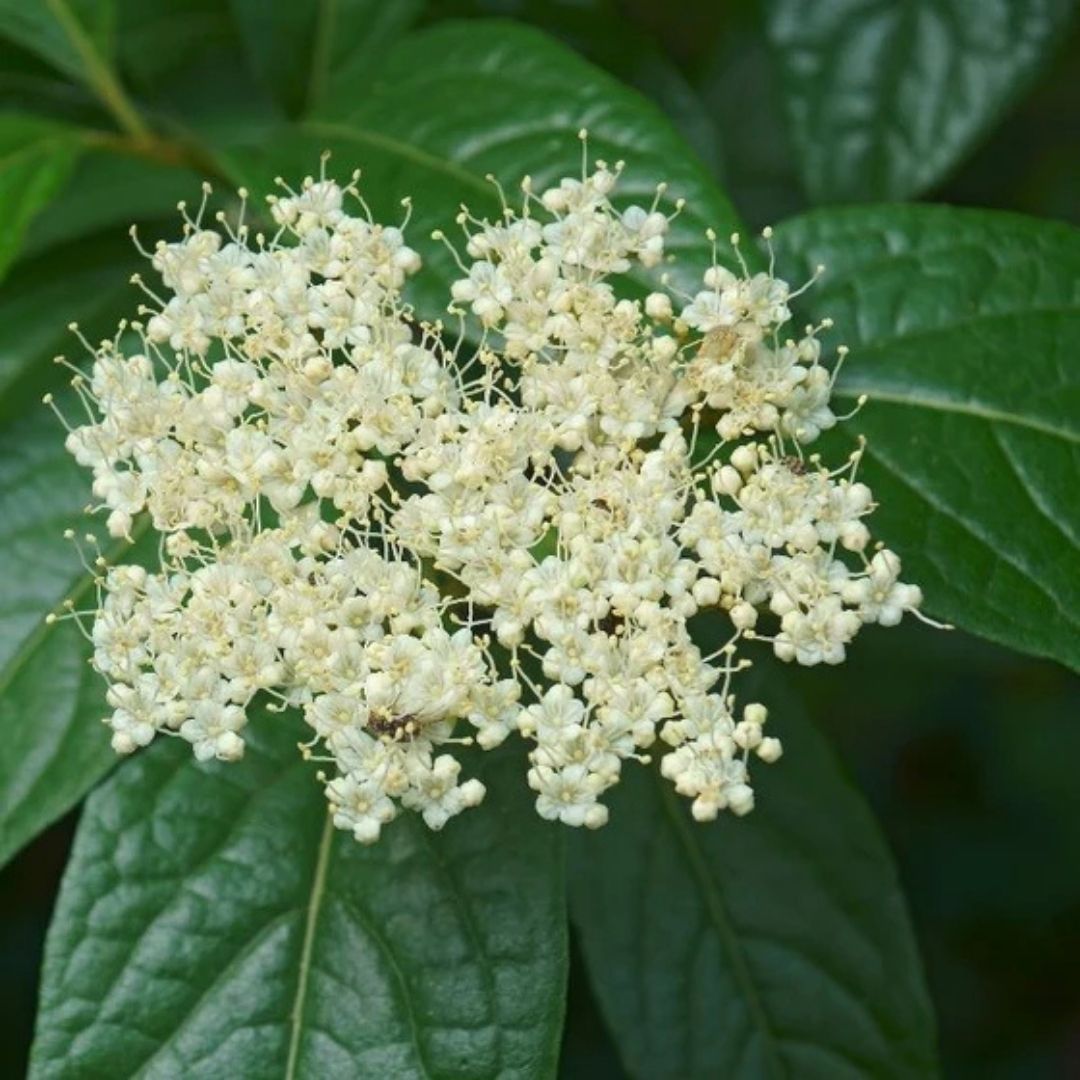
column 424, row 545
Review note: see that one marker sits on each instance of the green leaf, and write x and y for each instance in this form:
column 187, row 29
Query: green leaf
column 86, row 283
column 53, row 748
column 211, row 923
column 107, row 193
column 965, row 331
column 774, row 945
column 29, row 85
column 309, row 51
column 161, row 37
column 351, row 37
column 42, row 492
column 75, row 36
column 634, row 59
column 510, row 103
column 36, row 157
column 884, row 97
column 607, row 36
column 739, row 88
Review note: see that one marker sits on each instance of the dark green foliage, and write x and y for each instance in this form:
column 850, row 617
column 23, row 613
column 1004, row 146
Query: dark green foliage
column 210, row 923
column 777, row 945
column 963, row 327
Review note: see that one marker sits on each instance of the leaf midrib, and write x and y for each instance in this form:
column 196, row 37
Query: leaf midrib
column 311, row 922
column 964, row 523
column 99, row 76
column 1032, row 489
column 849, row 390
column 849, row 387
column 355, row 133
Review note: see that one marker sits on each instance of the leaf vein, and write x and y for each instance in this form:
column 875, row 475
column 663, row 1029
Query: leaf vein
column 995, row 549
column 399, row 976
column 718, row 913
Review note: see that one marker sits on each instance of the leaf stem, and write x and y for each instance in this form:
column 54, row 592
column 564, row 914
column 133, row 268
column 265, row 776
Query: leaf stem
column 99, row 75
column 151, row 147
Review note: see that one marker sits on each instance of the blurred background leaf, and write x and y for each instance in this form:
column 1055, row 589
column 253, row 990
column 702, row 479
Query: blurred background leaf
column 309, row 54
column 106, row 193
column 36, row 156
column 77, row 36
column 161, row 38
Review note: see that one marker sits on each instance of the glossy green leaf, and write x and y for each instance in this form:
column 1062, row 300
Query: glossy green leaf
column 775, row 945
column 36, row 157
column 53, row 748
column 602, row 32
column 510, row 102
column 77, row 38
column 965, row 332
column 212, row 924
column 42, row 492
column 884, row 97
column 310, row 50
column 738, row 86
column 637, row 61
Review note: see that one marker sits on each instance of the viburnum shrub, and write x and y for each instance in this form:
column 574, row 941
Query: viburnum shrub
column 389, row 523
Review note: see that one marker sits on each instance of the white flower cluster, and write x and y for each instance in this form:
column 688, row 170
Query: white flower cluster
column 423, row 544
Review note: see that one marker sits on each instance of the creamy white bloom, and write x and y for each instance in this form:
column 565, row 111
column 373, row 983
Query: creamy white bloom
column 422, row 546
